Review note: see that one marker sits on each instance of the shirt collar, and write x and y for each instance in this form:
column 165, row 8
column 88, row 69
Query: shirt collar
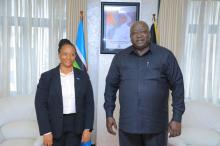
column 132, row 50
column 65, row 75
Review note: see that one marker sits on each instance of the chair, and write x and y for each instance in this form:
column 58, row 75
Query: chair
column 200, row 125
column 18, row 125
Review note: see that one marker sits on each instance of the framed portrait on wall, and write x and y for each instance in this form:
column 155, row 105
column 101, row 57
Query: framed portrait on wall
column 116, row 20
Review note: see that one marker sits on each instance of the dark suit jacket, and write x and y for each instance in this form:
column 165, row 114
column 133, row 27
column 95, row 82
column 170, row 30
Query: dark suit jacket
column 49, row 103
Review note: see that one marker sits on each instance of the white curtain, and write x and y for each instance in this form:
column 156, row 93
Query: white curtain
column 191, row 29
column 172, row 24
column 73, row 16
column 201, row 60
column 29, row 34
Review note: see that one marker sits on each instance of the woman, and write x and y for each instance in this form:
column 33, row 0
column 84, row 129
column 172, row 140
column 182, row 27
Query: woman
column 64, row 102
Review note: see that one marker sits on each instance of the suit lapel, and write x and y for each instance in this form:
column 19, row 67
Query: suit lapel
column 77, row 79
column 57, row 84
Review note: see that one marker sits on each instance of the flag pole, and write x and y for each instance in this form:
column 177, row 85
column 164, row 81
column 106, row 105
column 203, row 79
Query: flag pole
column 154, row 19
column 155, row 28
column 81, row 15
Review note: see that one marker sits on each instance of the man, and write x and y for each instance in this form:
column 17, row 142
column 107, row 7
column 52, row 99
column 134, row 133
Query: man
column 144, row 73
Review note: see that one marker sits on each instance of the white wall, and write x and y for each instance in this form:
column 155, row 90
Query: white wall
column 99, row 63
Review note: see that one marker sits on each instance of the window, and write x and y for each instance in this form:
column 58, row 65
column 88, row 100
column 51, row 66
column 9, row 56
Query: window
column 29, row 34
column 202, row 55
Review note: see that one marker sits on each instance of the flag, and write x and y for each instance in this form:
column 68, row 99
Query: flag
column 86, row 144
column 153, row 31
column 80, row 61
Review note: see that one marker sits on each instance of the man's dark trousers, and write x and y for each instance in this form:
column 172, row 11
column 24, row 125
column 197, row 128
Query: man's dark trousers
column 128, row 139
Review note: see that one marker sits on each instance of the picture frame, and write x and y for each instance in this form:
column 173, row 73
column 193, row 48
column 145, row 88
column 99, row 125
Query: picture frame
column 116, row 20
